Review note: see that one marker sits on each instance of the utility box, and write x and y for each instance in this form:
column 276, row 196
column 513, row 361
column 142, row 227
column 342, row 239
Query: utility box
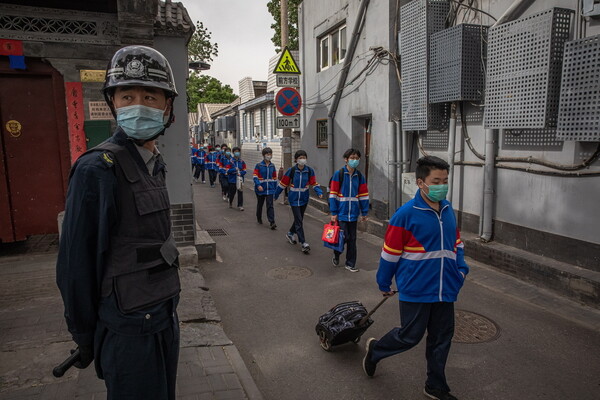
column 419, row 19
column 457, row 64
column 524, row 70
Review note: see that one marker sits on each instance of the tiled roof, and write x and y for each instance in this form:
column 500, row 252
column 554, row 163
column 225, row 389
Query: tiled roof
column 172, row 19
column 207, row 109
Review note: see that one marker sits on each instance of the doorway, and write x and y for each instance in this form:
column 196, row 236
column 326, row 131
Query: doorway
column 34, row 152
column 361, row 140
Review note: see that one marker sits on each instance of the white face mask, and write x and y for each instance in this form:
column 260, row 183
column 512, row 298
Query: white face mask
column 268, row 158
column 301, row 161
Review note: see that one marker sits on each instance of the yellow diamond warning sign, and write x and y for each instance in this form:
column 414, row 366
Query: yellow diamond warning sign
column 286, row 64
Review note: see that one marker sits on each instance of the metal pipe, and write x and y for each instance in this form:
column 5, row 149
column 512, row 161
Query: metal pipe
column 400, row 165
column 392, row 170
column 451, row 149
column 405, row 160
column 489, row 184
column 360, row 18
column 514, row 11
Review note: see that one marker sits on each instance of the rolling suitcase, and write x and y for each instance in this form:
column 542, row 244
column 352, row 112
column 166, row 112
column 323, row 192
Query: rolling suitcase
column 345, row 322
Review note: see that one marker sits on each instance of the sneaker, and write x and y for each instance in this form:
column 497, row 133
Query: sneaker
column 368, row 365
column 305, row 248
column 335, row 261
column 290, row 238
column 212, row 186
column 437, row 394
column 272, row 226
column 259, row 220
column 230, row 206
column 351, row 269
column 241, row 208
column 203, row 181
column 224, row 198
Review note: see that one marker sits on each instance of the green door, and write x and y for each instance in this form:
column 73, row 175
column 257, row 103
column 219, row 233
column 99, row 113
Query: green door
column 96, row 132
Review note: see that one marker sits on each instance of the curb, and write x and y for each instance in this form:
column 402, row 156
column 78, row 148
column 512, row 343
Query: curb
column 243, row 373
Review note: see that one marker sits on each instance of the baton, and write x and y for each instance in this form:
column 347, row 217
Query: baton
column 60, row 370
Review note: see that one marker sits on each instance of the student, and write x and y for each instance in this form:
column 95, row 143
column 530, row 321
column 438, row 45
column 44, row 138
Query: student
column 234, row 166
column 265, row 184
column 348, row 199
column 424, row 254
column 200, row 164
column 194, row 160
column 223, row 158
column 299, row 178
column 211, row 165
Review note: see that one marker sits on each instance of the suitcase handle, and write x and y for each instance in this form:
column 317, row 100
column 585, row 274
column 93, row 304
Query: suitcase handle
column 366, row 317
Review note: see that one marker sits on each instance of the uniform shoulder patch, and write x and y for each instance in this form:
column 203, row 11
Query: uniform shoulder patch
column 107, row 159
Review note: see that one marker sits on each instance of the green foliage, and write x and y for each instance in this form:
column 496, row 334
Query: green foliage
column 274, row 7
column 206, row 89
column 200, row 47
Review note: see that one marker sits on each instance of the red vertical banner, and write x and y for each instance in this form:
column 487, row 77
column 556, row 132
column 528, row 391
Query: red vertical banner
column 75, row 117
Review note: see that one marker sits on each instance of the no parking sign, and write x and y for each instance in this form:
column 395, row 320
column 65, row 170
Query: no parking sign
column 288, row 101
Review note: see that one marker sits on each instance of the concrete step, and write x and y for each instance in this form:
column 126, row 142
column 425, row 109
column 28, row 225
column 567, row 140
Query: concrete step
column 204, row 244
column 579, row 284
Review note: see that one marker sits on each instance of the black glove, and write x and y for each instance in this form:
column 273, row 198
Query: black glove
column 86, row 356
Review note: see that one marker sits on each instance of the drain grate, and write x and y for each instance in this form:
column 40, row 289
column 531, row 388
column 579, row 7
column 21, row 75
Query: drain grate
column 291, row 273
column 217, row 232
column 473, row 328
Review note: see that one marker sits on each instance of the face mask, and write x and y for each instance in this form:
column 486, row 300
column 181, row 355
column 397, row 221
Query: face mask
column 353, row 163
column 436, row 192
column 141, row 122
column 237, row 154
column 302, row 161
column 221, row 150
column 227, row 153
column 268, row 158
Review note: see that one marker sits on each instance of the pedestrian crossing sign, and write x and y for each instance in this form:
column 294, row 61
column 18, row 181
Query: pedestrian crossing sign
column 286, row 64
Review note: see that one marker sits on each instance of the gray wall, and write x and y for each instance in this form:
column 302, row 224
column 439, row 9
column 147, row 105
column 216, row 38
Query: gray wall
column 564, row 206
column 174, row 146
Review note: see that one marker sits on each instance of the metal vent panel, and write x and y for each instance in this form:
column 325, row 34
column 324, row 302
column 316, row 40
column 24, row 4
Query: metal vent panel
column 524, row 69
column 531, row 139
column 418, row 20
column 579, row 111
column 457, row 64
column 435, row 140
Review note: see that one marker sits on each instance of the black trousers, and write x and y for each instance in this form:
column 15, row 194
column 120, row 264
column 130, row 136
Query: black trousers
column 199, row 171
column 212, row 176
column 232, row 189
column 416, row 318
column 297, row 226
column 261, row 198
column 349, row 228
column 224, row 184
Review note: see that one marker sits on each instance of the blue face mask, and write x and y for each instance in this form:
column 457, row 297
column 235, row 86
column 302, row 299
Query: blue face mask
column 353, row 163
column 141, row 122
column 237, row 154
column 436, row 192
column 227, row 153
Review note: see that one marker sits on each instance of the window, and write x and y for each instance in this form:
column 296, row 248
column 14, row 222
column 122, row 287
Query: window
column 332, row 48
column 322, row 133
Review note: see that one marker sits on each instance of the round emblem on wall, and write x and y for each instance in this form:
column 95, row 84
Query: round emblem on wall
column 14, row 128
column 135, row 69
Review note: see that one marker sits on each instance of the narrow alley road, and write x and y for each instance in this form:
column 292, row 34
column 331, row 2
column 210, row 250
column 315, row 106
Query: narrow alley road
column 270, row 296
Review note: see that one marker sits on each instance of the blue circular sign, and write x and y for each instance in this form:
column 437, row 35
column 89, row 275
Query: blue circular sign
column 288, row 101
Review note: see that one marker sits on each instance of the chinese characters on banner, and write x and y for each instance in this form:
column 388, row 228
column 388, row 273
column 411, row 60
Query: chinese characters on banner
column 75, row 117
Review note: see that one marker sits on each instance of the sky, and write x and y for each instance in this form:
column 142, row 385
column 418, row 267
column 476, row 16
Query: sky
column 242, row 29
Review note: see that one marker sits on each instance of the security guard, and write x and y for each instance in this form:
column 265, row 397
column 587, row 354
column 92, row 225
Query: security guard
column 117, row 266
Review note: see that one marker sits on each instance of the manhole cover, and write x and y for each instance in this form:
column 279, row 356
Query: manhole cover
column 473, row 328
column 289, row 273
column 217, row 232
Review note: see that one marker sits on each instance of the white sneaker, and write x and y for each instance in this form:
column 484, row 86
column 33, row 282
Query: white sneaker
column 305, row 248
column 224, row 198
column 351, row 269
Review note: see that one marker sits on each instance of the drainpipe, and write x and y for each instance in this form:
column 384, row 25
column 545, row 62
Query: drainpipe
column 358, row 25
column 451, row 149
column 392, row 171
column 400, row 162
column 405, row 160
column 515, row 10
column 489, row 184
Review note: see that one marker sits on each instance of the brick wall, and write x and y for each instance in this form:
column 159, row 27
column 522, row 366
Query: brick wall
column 182, row 223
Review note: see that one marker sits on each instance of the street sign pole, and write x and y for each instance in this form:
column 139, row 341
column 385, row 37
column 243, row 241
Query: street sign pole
column 287, row 132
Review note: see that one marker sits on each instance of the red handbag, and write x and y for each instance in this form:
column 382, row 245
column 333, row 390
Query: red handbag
column 331, row 232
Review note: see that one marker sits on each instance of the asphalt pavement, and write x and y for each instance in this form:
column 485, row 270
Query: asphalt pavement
column 513, row 340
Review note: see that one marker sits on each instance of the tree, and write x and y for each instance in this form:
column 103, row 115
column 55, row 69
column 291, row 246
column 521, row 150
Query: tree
column 200, row 47
column 274, row 7
column 206, row 89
